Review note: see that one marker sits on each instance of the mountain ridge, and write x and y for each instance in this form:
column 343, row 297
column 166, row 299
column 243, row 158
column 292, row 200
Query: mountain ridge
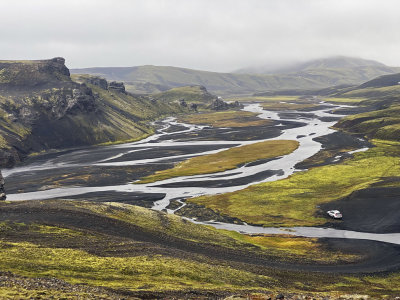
column 224, row 84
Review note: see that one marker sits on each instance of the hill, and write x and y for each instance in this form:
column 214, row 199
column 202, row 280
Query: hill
column 42, row 107
column 311, row 75
column 221, row 84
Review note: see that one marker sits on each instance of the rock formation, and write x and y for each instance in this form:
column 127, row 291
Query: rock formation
column 219, row 104
column 117, row 86
column 2, row 190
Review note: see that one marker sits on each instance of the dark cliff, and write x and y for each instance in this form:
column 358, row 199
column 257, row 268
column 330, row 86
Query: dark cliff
column 42, row 107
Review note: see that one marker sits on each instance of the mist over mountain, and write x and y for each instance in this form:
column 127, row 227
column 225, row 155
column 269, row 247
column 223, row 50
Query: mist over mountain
column 334, row 62
column 314, row 74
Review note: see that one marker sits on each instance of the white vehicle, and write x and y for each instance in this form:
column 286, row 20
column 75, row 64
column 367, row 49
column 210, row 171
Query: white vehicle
column 334, row 214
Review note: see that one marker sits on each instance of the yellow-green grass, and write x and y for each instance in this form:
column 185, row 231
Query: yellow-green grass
column 287, row 106
column 264, row 98
column 225, row 160
column 280, row 246
column 225, row 119
column 298, row 248
column 163, row 273
column 374, row 92
column 156, row 272
column 344, row 100
column 381, row 124
column 293, row 201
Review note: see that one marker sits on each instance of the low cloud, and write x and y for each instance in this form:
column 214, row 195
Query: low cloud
column 218, row 35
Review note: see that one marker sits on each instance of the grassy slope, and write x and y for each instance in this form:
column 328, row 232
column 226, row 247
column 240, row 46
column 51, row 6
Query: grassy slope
column 225, row 160
column 197, row 94
column 81, row 256
column 381, row 124
column 293, row 201
column 225, row 119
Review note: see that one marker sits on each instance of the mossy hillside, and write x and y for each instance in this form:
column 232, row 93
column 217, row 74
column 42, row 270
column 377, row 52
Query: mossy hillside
column 66, row 113
column 380, row 124
column 225, row 119
column 225, row 160
column 141, row 271
column 296, row 248
column 156, row 223
column 191, row 94
column 373, row 92
column 293, row 201
column 154, row 272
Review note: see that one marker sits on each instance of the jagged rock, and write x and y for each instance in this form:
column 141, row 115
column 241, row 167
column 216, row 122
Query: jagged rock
column 193, row 106
column 98, row 81
column 2, row 190
column 117, row 86
column 182, row 103
column 219, row 104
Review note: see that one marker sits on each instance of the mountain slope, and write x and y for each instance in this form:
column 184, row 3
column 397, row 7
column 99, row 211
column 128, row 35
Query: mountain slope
column 312, row 75
column 217, row 83
column 42, row 107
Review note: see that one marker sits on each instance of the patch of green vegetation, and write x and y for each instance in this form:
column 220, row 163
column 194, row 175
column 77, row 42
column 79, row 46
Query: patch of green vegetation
column 190, row 94
column 17, row 291
column 374, row 92
column 381, row 124
column 225, row 160
column 297, row 248
column 155, row 272
column 288, row 106
column 265, row 99
column 344, row 100
column 293, row 201
column 225, row 119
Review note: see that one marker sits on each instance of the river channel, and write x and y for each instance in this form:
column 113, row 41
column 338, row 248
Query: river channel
column 175, row 142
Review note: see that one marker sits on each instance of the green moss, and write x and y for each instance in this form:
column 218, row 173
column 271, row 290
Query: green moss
column 225, row 119
column 156, row 272
column 293, row 201
column 225, row 160
column 380, row 124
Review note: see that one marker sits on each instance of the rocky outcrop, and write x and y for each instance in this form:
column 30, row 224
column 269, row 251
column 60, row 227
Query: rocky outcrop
column 2, row 190
column 117, row 86
column 21, row 75
column 219, row 104
column 98, row 81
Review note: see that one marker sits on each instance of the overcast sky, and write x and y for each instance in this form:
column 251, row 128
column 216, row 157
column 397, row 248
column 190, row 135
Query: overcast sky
column 217, row 35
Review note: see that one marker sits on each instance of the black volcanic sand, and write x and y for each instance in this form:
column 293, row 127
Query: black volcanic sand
column 79, row 176
column 334, row 144
column 85, row 174
column 158, row 152
column 378, row 257
column 234, row 134
column 139, row 199
column 374, row 209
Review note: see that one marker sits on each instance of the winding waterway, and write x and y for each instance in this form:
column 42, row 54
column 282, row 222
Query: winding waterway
column 309, row 125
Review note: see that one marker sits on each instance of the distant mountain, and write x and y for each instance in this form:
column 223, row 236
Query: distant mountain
column 335, row 62
column 315, row 74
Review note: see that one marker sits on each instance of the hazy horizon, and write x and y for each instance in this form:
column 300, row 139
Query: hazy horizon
column 219, row 35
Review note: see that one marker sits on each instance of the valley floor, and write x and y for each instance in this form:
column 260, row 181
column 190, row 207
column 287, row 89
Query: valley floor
column 102, row 244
